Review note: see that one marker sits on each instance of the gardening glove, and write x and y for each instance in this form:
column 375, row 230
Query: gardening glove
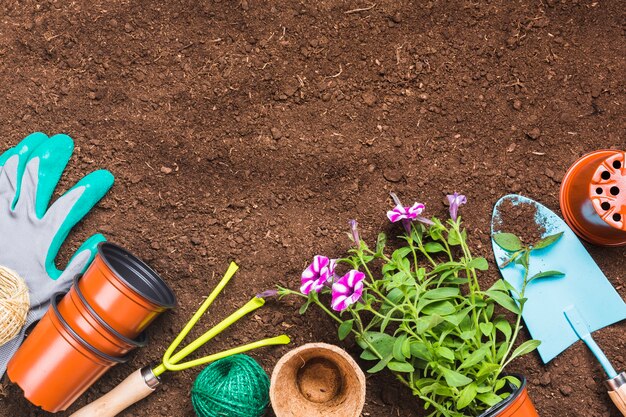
column 31, row 233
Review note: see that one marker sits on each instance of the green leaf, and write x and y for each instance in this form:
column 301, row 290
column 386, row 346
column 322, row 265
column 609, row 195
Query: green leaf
column 453, row 238
column 368, row 355
column 504, row 300
column 441, row 308
column 400, row 366
column 453, row 378
column 504, row 326
column 423, row 324
column 441, row 293
column 380, row 365
column 445, row 353
column 382, row 342
column 489, row 398
column 397, row 347
column 380, row 243
column 305, row 307
column 526, row 347
column 547, row 241
column 400, row 254
column 508, row 241
column 345, row 328
column 486, row 328
column 475, row 357
column 479, row 263
column 467, row 396
column 513, row 380
column 546, row 274
column 420, row 350
column 455, row 319
column 487, row 368
column 433, row 247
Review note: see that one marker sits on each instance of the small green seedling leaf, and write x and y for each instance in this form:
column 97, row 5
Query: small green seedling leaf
column 508, row 241
column 546, row 274
column 453, row 378
column 400, row 366
column 526, row 347
column 547, row 241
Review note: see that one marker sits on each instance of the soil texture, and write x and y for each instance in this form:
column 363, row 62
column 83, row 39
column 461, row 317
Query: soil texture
column 253, row 131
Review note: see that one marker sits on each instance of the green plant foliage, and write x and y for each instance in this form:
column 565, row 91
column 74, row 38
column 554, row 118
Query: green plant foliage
column 424, row 317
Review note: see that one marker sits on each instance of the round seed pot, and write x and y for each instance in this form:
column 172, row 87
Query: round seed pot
column 54, row 365
column 317, row 380
column 593, row 197
column 125, row 292
column 81, row 318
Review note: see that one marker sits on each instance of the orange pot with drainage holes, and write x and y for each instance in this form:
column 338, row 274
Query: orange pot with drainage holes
column 593, row 197
column 54, row 365
column 124, row 291
column 81, row 318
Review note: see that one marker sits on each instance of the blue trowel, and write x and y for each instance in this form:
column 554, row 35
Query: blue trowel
column 563, row 309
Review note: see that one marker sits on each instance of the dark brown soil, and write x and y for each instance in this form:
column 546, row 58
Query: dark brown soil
column 254, row 131
column 519, row 219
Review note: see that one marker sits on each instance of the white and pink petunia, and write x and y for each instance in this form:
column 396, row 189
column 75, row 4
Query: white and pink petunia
column 347, row 290
column 317, row 274
column 401, row 212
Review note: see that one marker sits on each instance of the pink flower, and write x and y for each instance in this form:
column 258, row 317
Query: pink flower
column 317, row 274
column 347, row 290
column 405, row 213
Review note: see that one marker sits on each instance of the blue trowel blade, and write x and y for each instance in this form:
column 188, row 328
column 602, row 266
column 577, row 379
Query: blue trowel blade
column 584, row 285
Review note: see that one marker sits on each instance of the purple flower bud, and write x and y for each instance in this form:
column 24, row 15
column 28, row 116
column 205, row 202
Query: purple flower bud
column 267, row 294
column 456, row 200
column 355, row 232
column 347, row 290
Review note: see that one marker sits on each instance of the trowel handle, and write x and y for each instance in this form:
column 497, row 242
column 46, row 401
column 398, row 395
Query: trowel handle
column 134, row 388
column 617, row 391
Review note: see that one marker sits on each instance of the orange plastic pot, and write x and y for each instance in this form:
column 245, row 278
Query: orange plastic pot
column 81, row 318
column 593, row 197
column 518, row 404
column 54, row 366
column 125, row 292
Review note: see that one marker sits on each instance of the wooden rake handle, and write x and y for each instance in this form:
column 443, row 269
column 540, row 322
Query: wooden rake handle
column 134, row 388
column 617, row 392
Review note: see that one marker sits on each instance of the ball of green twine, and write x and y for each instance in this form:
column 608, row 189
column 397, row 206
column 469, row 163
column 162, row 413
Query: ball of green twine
column 235, row 386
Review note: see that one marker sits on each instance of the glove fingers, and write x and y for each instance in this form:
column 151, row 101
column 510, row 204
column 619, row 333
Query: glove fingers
column 43, row 172
column 8, row 179
column 23, row 151
column 80, row 261
column 70, row 208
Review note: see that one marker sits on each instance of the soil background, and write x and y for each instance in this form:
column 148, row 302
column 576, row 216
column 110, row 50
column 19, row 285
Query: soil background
column 253, row 131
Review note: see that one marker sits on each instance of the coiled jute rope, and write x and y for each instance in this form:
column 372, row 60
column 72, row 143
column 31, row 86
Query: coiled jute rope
column 14, row 304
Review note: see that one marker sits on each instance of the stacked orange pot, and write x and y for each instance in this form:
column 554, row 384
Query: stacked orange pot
column 89, row 330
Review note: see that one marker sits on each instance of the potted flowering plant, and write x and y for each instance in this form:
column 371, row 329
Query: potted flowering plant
column 420, row 312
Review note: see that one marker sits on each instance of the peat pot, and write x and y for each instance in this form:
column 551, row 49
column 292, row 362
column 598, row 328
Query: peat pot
column 317, row 380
